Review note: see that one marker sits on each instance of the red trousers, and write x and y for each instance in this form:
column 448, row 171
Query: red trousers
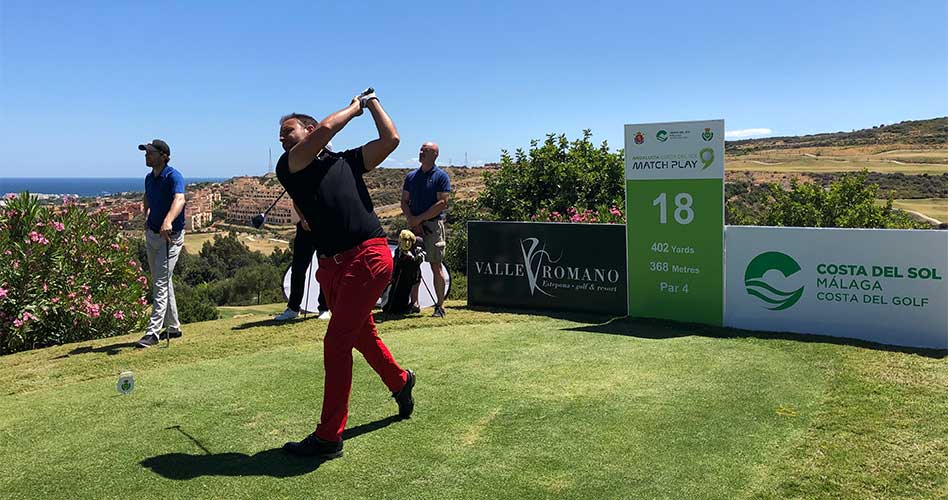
column 352, row 283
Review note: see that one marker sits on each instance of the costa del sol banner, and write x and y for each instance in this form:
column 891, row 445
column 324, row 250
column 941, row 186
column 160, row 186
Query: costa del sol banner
column 551, row 266
column 881, row 285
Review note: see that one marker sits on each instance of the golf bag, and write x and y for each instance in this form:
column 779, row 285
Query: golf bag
column 405, row 275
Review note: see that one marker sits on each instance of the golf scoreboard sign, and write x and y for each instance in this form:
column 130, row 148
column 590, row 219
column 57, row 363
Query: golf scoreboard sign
column 675, row 220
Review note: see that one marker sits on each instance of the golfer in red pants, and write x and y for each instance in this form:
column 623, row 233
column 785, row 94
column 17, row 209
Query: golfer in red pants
column 355, row 263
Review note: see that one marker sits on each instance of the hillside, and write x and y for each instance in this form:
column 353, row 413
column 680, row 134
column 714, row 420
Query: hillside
column 920, row 134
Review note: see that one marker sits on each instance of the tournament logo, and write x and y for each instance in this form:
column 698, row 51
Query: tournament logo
column 533, row 260
column 707, row 135
column 774, row 298
column 662, row 136
column 639, row 138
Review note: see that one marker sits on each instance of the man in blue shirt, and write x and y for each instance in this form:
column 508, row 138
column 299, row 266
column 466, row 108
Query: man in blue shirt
column 424, row 199
column 164, row 238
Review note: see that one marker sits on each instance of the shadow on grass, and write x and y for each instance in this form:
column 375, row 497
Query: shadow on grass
column 661, row 329
column 111, row 349
column 273, row 322
column 273, row 462
column 646, row 328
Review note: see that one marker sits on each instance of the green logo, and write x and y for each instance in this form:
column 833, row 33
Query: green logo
column 772, row 296
column 662, row 136
column 126, row 386
column 707, row 157
column 707, row 135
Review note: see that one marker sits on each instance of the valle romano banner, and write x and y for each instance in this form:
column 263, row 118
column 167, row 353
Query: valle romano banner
column 881, row 285
column 551, row 266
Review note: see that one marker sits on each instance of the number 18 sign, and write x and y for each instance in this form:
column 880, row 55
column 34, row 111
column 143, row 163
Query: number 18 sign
column 674, row 200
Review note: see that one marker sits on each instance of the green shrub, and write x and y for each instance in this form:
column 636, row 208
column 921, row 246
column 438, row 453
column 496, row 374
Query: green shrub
column 195, row 304
column 65, row 275
column 847, row 202
column 555, row 176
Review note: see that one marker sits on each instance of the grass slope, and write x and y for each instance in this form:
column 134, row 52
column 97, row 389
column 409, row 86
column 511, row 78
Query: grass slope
column 508, row 406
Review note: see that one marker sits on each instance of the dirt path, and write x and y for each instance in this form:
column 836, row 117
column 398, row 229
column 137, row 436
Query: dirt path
column 923, row 216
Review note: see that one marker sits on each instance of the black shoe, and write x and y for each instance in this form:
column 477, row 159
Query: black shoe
column 147, row 341
column 172, row 333
column 312, row 446
column 415, row 309
column 438, row 312
column 406, row 404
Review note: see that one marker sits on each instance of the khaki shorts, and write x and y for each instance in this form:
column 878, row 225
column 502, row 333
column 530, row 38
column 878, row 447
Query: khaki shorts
column 433, row 234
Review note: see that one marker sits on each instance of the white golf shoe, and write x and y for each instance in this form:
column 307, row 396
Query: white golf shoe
column 287, row 315
column 325, row 315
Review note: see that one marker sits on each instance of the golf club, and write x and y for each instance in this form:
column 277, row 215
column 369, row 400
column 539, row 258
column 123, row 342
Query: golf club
column 260, row 219
column 167, row 289
column 429, row 290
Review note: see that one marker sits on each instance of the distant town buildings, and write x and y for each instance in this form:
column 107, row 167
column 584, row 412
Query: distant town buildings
column 238, row 200
column 121, row 211
column 252, row 195
column 198, row 212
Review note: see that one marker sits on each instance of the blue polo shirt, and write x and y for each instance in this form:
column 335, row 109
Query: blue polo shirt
column 423, row 188
column 160, row 192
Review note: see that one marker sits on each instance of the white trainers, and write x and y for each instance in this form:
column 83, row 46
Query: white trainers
column 287, row 315
column 325, row 315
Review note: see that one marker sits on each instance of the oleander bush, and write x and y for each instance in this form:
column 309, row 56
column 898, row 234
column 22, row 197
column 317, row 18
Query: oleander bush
column 66, row 275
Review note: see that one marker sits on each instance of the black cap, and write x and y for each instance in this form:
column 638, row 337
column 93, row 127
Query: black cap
column 156, row 145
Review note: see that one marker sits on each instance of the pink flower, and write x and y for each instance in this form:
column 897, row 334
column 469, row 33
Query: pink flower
column 101, row 261
column 92, row 239
column 11, row 196
column 17, row 323
column 85, row 288
column 71, row 295
column 45, row 287
column 3, row 292
column 27, row 316
column 92, row 310
column 16, row 264
column 55, row 300
column 38, row 238
column 7, row 252
column 119, row 315
column 115, row 246
column 58, row 226
column 40, row 224
column 142, row 301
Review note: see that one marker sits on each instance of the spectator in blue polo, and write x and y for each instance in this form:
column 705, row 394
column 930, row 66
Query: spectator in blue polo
column 424, row 199
column 164, row 238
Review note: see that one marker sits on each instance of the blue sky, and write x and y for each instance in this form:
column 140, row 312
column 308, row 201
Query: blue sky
column 82, row 83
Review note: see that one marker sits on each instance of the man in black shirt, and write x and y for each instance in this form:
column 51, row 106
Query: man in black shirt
column 355, row 263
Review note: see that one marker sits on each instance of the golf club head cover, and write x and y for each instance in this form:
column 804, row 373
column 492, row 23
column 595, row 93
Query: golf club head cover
column 257, row 220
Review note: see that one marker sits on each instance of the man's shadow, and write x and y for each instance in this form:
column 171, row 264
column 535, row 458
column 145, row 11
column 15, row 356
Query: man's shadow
column 273, row 322
column 273, row 462
column 111, row 349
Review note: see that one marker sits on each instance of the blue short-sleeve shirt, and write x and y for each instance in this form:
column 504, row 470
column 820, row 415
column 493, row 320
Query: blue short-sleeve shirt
column 160, row 192
column 423, row 188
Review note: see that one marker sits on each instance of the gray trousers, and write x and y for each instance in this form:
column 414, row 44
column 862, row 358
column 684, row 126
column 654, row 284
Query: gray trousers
column 162, row 256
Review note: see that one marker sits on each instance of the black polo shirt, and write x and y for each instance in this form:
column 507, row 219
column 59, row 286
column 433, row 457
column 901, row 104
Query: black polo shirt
column 333, row 198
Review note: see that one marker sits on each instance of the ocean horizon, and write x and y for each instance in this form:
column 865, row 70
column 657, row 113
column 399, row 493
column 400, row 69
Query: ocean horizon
column 84, row 186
